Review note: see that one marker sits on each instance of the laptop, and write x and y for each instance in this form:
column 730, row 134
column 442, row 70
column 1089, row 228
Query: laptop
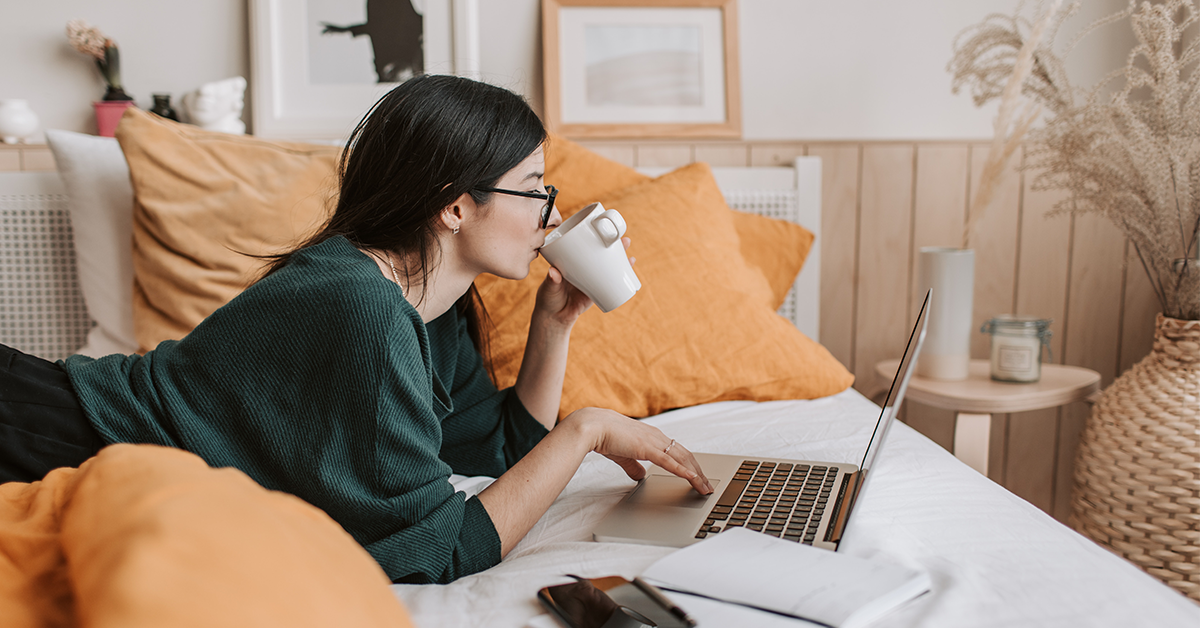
column 805, row 501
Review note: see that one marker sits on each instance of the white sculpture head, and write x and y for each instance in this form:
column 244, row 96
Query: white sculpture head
column 217, row 106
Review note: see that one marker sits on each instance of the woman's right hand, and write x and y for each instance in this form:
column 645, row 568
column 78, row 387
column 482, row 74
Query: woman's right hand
column 625, row 441
column 521, row 495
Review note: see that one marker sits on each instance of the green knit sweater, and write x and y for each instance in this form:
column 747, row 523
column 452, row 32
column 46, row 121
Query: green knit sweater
column 322, row 381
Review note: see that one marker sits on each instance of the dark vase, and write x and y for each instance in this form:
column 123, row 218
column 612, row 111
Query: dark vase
column 162, row 107
column 115, row 94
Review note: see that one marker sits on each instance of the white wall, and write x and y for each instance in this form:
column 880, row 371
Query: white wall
column 852, row 69
column 858, row 69
column 167, row 46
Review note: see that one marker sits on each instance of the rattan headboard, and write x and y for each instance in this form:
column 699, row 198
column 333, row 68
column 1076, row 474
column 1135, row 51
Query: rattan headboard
column 42, row 311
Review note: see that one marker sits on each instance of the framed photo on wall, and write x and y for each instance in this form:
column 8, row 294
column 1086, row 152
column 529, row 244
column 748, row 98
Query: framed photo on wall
column 641, row 68
column 317, row 66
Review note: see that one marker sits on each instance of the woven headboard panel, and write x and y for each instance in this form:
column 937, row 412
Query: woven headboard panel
column 42, row 311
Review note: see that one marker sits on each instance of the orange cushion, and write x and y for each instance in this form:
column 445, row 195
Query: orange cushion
column 202, row 201
column 778, row 248
column 34, row 589
column 582, row 176
column 149, row 536
column 703, row 328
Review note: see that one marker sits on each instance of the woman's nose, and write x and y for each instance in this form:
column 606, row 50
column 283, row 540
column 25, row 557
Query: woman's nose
column 554, row 220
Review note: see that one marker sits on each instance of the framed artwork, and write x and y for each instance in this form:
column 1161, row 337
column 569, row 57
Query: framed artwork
column 641, row 68
column 317, row 66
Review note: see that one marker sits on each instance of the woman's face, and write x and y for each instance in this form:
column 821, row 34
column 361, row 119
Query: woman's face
column 504, row 236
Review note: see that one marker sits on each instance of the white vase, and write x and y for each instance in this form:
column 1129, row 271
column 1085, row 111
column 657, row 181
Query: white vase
column 950, row 273
column 17, row 121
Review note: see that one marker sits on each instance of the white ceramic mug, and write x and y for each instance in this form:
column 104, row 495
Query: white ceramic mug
column 587, row 250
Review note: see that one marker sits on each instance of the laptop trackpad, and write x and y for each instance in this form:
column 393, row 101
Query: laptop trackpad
column 669, row 490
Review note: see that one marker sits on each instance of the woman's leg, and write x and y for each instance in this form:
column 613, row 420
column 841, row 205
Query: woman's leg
column 42, row 426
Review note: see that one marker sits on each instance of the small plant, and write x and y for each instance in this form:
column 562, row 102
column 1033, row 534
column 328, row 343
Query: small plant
column 90, row 41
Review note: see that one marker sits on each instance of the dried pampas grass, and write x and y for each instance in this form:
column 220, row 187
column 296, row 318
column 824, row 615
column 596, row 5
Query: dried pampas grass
column 1132, row 154
column 1010, row 127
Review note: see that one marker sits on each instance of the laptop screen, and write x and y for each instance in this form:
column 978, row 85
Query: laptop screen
column 899, row 385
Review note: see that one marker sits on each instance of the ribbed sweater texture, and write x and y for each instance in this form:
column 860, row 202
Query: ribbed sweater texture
column 322, row 381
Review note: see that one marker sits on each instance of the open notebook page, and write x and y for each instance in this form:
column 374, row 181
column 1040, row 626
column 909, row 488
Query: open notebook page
column 745, row 567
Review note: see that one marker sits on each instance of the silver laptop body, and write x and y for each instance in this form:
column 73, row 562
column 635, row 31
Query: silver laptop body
column 804, row 501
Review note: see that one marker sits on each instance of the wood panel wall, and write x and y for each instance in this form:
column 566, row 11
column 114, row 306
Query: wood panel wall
column 885, row 200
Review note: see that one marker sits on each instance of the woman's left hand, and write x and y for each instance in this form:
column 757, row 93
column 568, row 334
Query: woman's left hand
column 560, row 301
column 543, row 369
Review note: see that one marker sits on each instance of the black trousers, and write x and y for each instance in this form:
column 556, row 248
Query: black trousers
column 42, row 426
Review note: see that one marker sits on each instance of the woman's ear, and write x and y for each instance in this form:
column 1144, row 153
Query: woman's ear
column 455, row 213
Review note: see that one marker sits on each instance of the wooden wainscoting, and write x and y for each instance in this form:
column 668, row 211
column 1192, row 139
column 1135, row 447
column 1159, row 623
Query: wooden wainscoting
column 25, row 157
column 885, row 200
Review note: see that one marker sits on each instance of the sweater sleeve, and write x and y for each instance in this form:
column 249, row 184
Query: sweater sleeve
column 423, row 553
column 427, row 533
column 488, row 430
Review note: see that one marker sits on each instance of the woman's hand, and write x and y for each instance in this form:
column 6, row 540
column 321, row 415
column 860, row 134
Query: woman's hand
column 560, row 301
column 625, row 441
column 544, row 365
column 520, row 496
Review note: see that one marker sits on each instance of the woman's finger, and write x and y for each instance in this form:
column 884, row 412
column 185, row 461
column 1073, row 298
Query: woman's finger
column 673, row 461
column 633, row 468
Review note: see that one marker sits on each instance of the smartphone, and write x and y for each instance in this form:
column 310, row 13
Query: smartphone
column 612, row 602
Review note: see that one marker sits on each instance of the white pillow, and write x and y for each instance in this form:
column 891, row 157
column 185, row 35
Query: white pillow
column 96, row 176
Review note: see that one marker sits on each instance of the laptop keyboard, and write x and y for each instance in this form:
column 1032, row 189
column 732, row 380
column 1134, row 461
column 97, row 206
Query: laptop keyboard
column 783, row 500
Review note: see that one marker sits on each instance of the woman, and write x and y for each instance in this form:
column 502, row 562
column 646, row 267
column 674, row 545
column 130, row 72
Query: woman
column 350, row 375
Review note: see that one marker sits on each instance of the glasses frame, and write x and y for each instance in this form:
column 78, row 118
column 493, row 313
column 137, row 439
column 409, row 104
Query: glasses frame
column 551, row 192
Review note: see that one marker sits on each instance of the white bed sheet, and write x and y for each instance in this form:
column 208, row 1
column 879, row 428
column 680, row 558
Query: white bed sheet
column 995, row 560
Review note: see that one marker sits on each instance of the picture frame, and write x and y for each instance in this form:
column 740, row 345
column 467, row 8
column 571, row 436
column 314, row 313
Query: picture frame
column 293, row 96
column 641, row 68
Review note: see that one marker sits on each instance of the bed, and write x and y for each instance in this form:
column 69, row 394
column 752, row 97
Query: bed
column 994, row 559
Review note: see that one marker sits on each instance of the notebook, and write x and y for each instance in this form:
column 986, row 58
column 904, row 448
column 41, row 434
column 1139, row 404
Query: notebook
column 791, row 579
column 804, row 501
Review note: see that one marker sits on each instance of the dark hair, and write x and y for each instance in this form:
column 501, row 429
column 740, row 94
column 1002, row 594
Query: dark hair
column 424, row 144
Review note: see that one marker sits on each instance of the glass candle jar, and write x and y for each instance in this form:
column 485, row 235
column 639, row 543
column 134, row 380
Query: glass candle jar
column 1017, row 343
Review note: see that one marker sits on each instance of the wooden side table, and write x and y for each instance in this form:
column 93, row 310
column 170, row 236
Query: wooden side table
column 976, row 398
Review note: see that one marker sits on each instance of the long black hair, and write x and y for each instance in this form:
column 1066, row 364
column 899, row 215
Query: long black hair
column 423, row 145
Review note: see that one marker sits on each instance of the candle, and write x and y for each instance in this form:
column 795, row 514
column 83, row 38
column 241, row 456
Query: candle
column 1017, row 347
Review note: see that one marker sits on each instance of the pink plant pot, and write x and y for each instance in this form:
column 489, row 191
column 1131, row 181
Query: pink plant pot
column 108, row 115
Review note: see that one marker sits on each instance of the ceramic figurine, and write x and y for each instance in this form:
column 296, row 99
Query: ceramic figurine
column 17, row 121
column 217, row 106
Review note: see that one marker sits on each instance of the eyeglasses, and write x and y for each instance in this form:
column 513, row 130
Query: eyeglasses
column 548, row 197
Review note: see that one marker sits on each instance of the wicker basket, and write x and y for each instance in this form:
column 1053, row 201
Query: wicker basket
column 1137, row 476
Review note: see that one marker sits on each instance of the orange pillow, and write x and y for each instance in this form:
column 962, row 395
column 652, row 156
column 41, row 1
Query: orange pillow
column 778, row 248
column 149, row 536
column 155, row 537
column 201, row 201
column 583, row 176
column 702, row 328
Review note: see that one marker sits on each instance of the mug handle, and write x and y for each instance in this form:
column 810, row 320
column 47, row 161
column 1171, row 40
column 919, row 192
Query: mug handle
column 610, row 226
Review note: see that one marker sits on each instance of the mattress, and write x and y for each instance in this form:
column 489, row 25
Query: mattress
column 994, row 559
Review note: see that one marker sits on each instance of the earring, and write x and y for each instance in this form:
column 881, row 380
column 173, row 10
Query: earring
column 456, row 231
